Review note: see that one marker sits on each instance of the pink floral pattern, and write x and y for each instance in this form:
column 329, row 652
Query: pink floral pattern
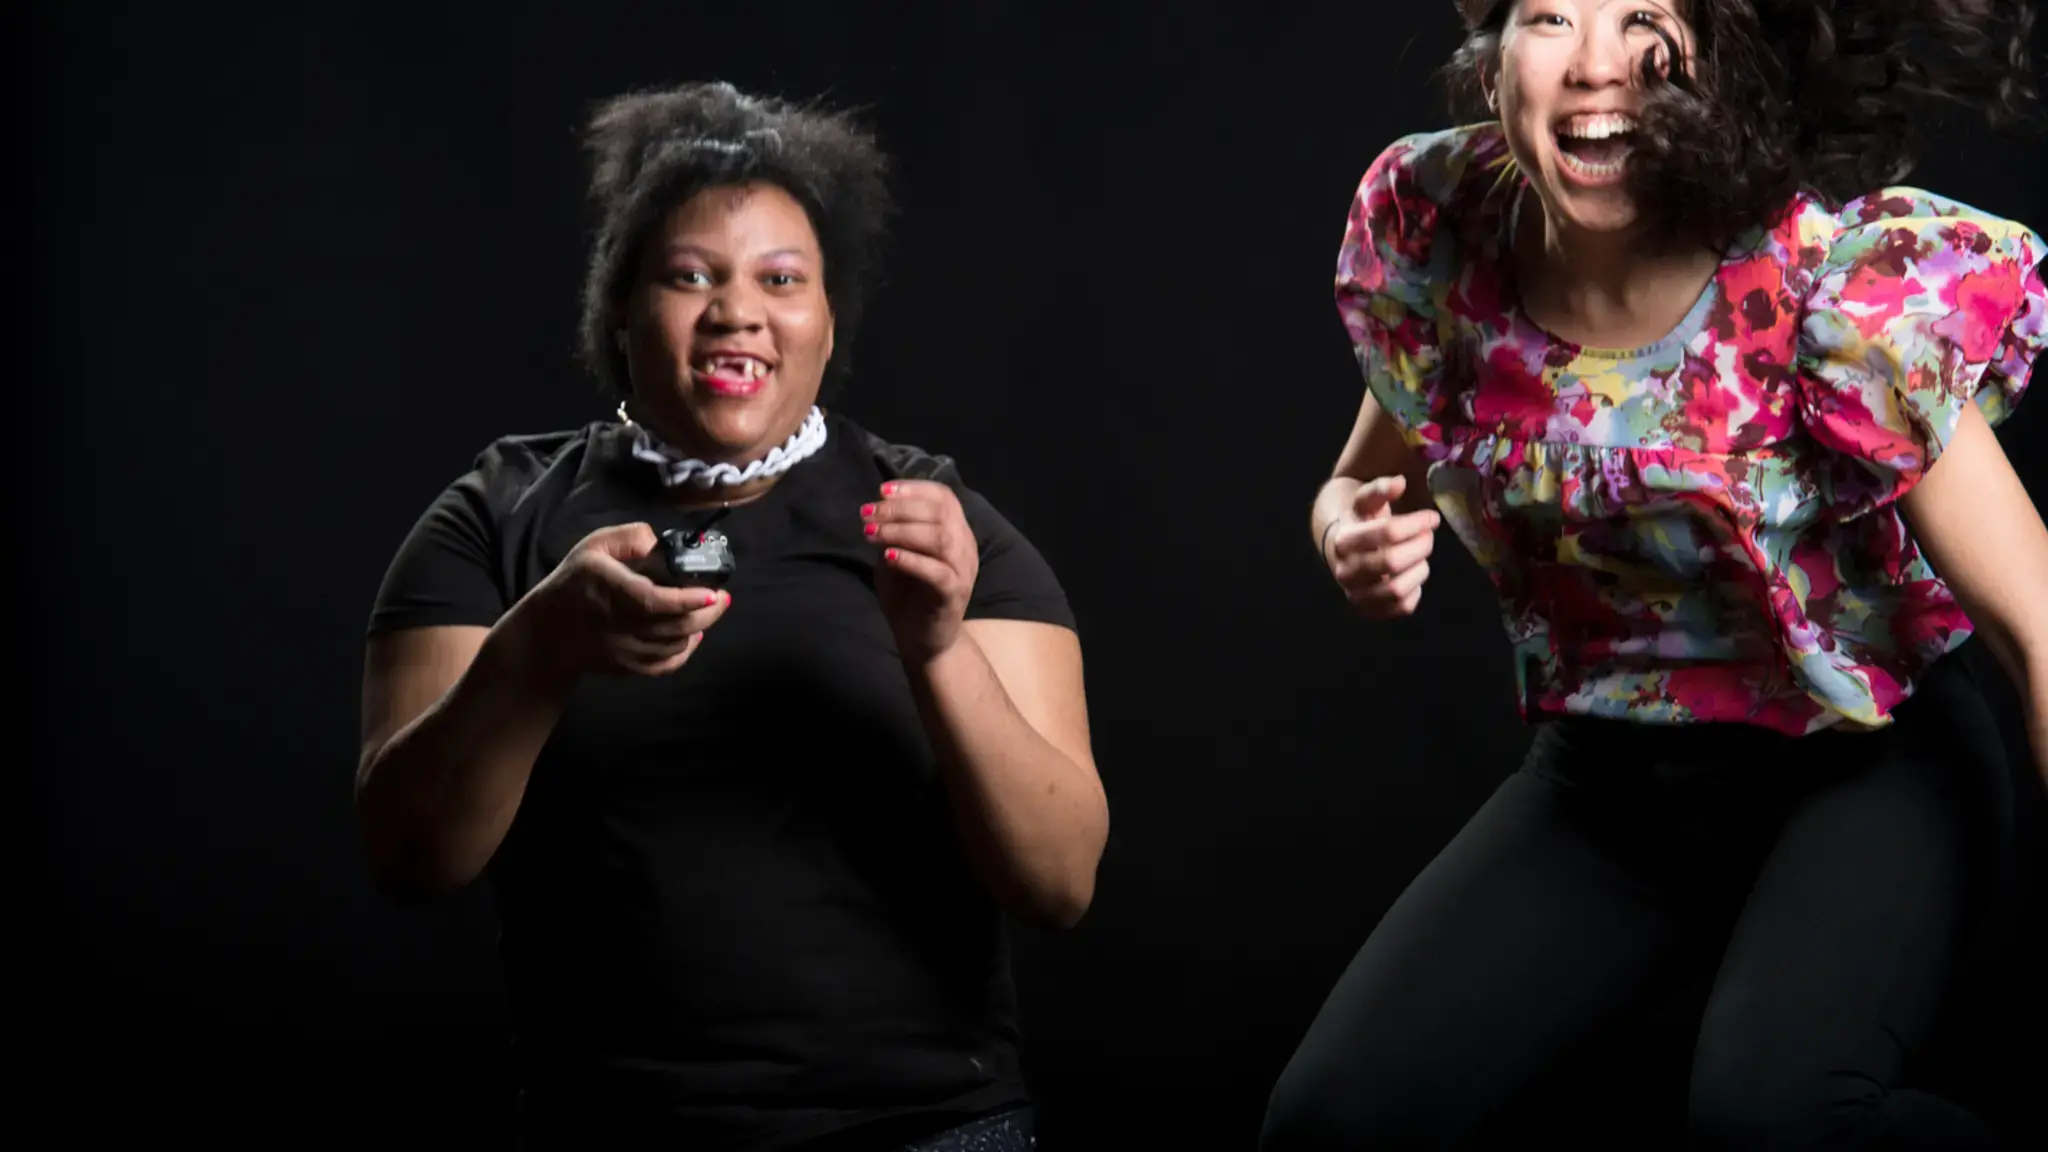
column 1703, row 529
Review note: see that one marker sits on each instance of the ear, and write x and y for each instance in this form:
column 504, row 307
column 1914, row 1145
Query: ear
column 831, row 333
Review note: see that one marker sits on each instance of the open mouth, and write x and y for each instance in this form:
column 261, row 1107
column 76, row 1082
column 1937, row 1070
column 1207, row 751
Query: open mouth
column 730, row 373
column 1596, row 146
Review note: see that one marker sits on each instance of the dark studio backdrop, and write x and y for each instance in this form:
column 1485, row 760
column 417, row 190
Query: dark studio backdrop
column 292, row 267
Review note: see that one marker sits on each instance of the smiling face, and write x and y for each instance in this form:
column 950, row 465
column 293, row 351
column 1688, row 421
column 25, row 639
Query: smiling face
column 727, row 327
column 1568, row 90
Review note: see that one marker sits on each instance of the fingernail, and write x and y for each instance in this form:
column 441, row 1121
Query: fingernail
column 872, row 529
column 889, row 489
column 713, row 599
column 890, row 554
column 867, row 509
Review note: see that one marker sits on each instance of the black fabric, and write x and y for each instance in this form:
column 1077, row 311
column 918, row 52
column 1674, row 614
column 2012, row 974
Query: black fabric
column 1823, row 885
column 733, row 908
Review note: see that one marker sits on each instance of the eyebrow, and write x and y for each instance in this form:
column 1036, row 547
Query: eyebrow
column 678, row 248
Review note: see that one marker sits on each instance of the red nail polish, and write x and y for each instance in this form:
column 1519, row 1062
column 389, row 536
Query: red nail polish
column 867, row 509
column 890, row 554
column 872, row 529
column 889, row 489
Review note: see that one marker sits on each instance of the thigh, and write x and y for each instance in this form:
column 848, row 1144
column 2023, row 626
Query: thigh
column 1532, row 929
column 1836, row 967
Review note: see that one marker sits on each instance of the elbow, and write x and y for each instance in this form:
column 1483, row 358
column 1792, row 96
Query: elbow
column 1058, row 907
column 408, row 873
column 1061, row 902
column 406, row 866
column 410, row 883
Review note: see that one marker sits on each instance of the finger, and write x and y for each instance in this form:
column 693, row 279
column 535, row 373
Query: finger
column 1380, row 563
column 1385, row 532
column 926, row 569
column 1376, row 495
column 664, row 667
column 623, row 542
column 938, row 541
column 646, row 600
column 639, row 653
column 1393, row 597
column 673, row 627
column 1390, row 592
column 1408, row 585
column 901, row 511
column 926, row 489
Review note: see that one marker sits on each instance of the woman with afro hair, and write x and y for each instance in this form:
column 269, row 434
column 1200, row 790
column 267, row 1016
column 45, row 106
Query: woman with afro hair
column 757, row 722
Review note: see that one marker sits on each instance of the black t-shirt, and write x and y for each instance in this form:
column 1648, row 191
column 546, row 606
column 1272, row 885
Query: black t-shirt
column 733, row 906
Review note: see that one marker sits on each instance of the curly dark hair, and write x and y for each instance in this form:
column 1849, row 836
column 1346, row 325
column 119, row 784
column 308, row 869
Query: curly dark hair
column 1786, row 96
column 654, row 149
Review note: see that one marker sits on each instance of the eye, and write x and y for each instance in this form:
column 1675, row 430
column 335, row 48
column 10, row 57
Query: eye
column 691, row 277
column 1548, row 20
column 1642, row 18
column 782, row 279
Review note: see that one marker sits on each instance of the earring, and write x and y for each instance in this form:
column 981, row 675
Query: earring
column 1492, row 101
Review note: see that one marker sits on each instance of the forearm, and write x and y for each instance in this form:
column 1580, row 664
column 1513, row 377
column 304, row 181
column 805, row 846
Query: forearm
column 2024, row 658
column 435, row 800
column 1031, row 820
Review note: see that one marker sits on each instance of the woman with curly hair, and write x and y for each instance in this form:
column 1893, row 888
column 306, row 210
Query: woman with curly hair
column 1711, row 401
column 756, row 721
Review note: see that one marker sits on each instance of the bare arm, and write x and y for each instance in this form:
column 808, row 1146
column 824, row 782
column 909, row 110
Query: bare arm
column 452, row 721
column 1007, row 714
column 1375, row 449
column 453, row 718
column 1972, row 518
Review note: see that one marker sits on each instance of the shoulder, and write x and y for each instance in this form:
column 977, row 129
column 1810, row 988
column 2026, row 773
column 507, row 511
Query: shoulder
column 892, row 459
column 1429, row 182
column 1437, row 169
column 1424, row 200
column 508, row 469
column 897, row 460
column 1902, row 232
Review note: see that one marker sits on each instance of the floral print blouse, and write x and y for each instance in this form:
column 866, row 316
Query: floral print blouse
column 1705, row 528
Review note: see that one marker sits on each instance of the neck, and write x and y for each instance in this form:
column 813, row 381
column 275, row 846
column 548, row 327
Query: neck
column 685, row 467
column 1609, row 280
column 691, row 496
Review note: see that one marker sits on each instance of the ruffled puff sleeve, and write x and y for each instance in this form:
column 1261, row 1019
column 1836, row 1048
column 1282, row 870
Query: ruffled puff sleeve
column 1387, row 277
column 1917, row 308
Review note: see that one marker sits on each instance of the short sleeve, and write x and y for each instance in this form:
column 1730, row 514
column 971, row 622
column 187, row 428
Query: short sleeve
column 1920, row 307
column 1388, row 269
column 1015, row 581
column 445, row 570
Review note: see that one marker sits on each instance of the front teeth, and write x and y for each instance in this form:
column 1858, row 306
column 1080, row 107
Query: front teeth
column 1597, row 127
column 744, row 367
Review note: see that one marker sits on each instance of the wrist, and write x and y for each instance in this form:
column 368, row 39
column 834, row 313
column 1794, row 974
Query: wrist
column 926, row 663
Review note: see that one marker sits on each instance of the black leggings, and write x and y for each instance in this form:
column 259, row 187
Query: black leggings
column 1823, row 882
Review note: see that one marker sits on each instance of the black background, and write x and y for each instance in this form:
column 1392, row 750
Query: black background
column 292, row 267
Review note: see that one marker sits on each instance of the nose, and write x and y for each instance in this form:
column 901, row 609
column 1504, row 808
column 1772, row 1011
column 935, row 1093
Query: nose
column 733, row 307
column 1602, row 59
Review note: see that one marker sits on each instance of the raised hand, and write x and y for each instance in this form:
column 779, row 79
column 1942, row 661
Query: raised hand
column 1380, row 559
column 600, row 615
column 929, row 563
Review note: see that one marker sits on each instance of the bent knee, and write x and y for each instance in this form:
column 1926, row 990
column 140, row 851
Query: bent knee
column 1313, row 1109
column 1749, row 1106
